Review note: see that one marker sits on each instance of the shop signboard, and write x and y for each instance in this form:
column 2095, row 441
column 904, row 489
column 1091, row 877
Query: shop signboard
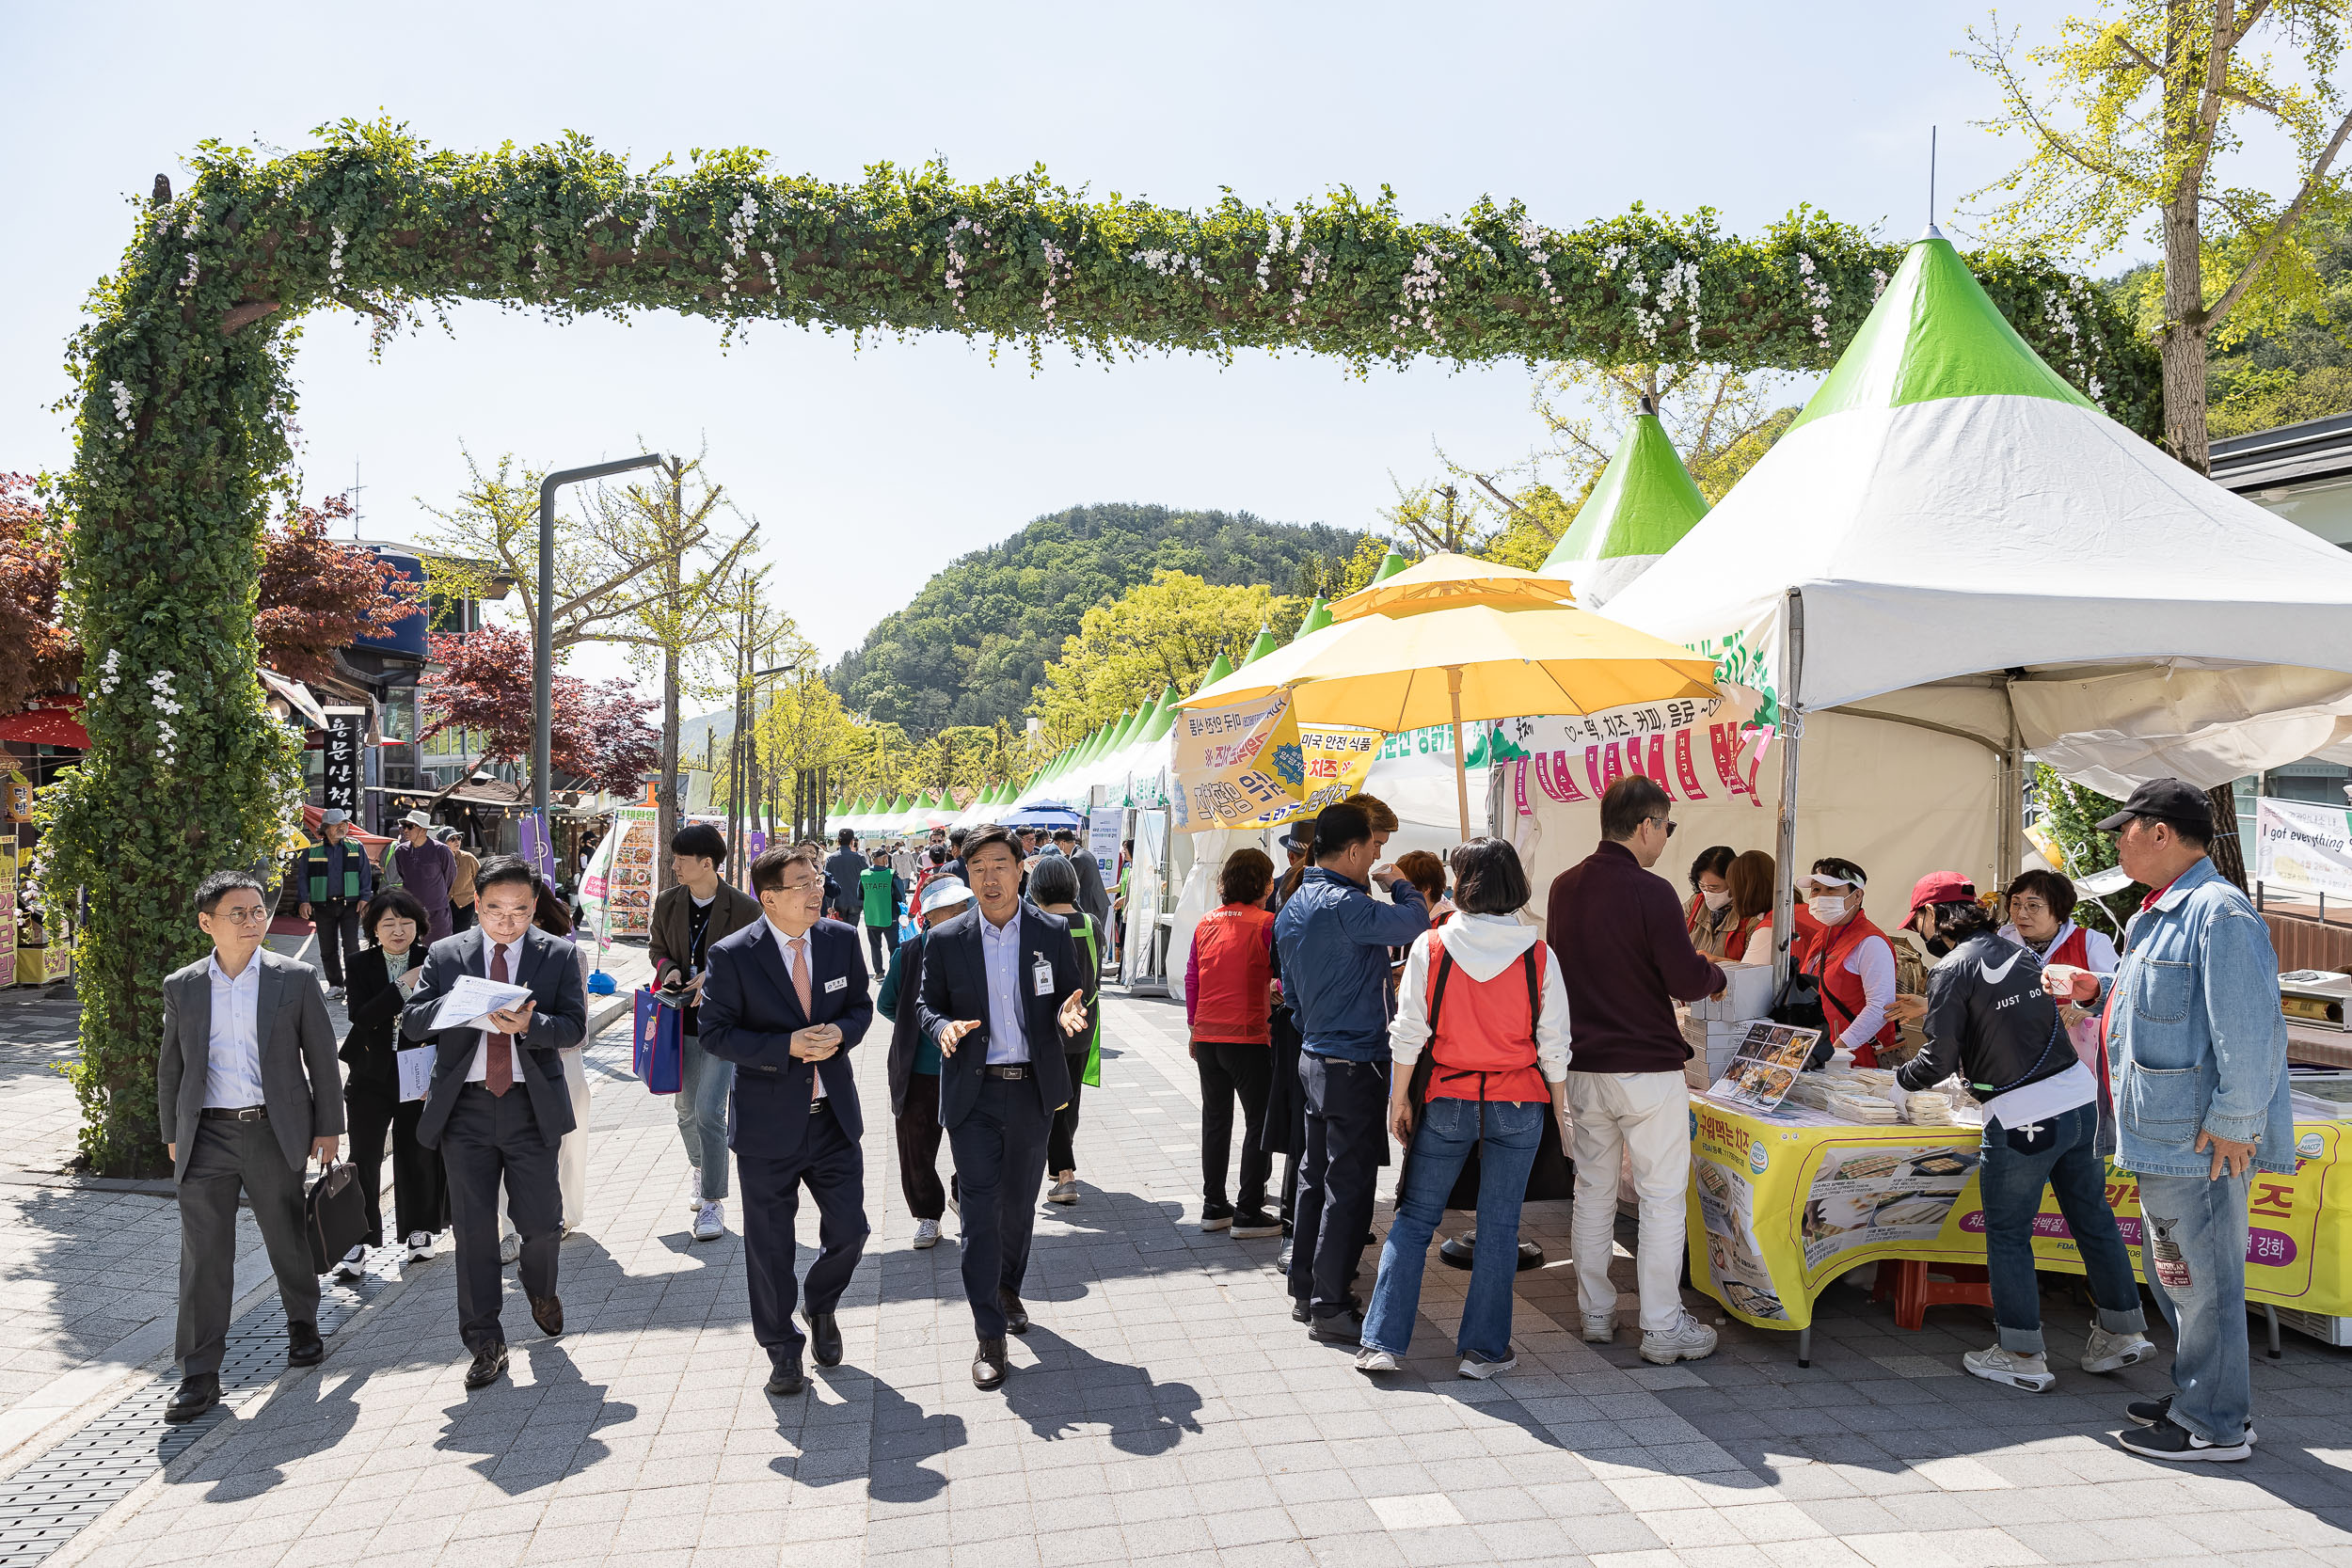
column 2304, row 846
column 346, row 741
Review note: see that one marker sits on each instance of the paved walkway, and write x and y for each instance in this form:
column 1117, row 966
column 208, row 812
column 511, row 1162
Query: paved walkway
column 1166, row 1409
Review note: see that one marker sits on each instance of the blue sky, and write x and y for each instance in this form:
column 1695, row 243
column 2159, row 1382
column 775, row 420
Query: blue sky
column 869, row 470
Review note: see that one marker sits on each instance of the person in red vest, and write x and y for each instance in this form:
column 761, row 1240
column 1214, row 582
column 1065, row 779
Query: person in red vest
column 1847, row 957
column 1229, row 998
column 1479, row 1044
column 2041, row 919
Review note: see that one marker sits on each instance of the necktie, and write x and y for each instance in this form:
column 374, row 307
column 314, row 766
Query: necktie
column 800, row 985
column 498, row 1073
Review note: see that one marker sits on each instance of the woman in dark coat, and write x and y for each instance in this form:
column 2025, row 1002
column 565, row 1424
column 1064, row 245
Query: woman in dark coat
column 381, row 977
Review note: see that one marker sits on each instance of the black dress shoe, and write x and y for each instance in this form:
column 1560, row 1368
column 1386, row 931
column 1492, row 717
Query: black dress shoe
column 1016, row 1315
column 196, row 1396
column 1299, row 1310
column 824, row 1338
column 303, row 1348
column 988, row 1367
column 784, row 1375
column 547, row 1312
column 489, row 1365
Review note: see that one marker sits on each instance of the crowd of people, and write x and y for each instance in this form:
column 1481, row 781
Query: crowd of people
column 1434, row 1016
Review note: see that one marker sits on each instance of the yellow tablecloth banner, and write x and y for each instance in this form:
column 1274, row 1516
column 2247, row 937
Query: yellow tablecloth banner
column 1779, row 1208
column 1253, row 765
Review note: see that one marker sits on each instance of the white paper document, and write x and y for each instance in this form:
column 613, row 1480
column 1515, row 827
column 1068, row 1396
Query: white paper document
column 415, row 1070
column 473, row 998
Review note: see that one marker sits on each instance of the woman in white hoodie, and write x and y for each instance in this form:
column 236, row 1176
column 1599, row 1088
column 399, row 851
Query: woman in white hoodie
column 1480, row 1045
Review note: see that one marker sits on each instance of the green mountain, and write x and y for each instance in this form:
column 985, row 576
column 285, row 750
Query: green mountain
column 977, row 639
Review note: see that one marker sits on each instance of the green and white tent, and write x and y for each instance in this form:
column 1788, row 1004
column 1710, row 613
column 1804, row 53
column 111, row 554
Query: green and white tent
column 1640, row 508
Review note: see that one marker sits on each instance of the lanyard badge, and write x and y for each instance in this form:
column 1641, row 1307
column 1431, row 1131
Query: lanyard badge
column 1041, row 976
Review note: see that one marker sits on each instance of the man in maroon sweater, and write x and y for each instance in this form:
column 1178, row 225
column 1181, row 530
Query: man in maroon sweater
column 1626, row 956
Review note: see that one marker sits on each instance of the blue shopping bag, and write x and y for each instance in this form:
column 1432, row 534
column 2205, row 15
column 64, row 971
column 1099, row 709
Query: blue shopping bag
column 654, row 1056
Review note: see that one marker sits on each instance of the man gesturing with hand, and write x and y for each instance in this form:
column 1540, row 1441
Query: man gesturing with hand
column 2197, row 1054
column 786, row 1001
column 1003, row 990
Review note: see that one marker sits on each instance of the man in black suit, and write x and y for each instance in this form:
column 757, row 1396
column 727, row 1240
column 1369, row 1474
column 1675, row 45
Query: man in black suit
column 1003, row 982
column 785, row 1002
column 246, row 1091
column 483, row 1127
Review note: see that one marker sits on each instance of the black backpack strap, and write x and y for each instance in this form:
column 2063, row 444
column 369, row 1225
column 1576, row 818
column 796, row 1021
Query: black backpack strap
column 1535, row 989
column 1437, row 988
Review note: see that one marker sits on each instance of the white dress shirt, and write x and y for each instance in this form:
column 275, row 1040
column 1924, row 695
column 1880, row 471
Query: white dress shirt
column 480, row 1071
column 1000, row 958
column 785, row 943
column 232, row 1062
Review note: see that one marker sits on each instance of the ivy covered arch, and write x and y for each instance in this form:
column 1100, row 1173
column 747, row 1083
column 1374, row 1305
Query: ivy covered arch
column 184, row 399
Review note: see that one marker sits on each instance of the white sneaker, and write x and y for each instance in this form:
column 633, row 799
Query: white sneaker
column 2110, row 1353
column 711, row 1222
column 420, row 1245
column 1688, row 1341
column 1600, row 1328
column 510, row 1248
column 2030, row 1372
column 1370, row 1361
column 1480, row 1369
column 926, row 1233
column 354, row 1264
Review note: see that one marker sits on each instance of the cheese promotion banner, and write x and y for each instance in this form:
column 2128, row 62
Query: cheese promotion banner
column 1253, row 765
column 1696, row 748
column 1781, row 1206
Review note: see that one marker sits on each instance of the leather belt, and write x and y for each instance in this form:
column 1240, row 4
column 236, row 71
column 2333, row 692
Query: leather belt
column 1010, row 1071
column 236, row 1113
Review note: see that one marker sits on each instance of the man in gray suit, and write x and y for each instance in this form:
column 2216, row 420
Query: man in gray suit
column 246, row 1092
column 498, row 1107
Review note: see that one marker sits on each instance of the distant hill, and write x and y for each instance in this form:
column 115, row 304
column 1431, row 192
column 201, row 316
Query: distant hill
column 976, row 641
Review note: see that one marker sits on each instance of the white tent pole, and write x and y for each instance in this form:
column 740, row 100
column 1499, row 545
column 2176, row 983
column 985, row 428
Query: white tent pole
column 1791, row 731
column 1461, row 775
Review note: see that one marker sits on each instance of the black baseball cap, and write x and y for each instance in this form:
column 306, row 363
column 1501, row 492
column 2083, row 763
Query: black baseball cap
column 2164, row 801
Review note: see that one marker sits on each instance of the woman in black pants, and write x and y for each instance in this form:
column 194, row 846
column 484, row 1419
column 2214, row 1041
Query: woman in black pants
column 381, row 976
column 1053, row 887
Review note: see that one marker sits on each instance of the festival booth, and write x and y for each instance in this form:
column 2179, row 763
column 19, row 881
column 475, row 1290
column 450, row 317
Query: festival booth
column 1953, row 559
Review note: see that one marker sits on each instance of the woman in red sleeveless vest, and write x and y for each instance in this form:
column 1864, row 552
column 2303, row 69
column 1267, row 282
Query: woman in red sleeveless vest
column 2040, row 918
column 1229, row 982
column 1479, row 1046
column 1848, row 957
column 1750, row 881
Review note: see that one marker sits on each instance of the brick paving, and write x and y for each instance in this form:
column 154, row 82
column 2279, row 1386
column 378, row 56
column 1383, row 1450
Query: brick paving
column 1166, row 1409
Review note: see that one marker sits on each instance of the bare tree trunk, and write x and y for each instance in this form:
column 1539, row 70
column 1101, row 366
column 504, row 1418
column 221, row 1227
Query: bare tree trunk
column 666, row 795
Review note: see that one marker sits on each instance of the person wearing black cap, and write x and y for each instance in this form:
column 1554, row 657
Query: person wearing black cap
column 2197, row 1052
column 2044, row 1126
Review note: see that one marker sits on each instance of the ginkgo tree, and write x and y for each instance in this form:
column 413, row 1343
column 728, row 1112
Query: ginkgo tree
column 1158, row 634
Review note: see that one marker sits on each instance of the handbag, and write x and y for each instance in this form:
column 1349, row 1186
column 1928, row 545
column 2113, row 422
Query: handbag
column 334, row 1216
column 657, row 1041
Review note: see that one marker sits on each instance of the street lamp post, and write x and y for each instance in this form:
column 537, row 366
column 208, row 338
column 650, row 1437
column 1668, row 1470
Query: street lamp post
column 543, row 643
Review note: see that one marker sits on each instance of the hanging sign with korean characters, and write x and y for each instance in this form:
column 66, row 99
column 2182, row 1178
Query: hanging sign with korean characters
column 1697, row 749
column 338, row 785
column 1252, row 765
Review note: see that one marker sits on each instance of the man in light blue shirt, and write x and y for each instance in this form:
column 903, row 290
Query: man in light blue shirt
column 1000, row 956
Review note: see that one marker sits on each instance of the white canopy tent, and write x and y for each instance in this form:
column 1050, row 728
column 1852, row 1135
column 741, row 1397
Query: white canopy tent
column 1953, row 558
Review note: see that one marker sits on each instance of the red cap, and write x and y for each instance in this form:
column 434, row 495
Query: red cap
column 1941, row 887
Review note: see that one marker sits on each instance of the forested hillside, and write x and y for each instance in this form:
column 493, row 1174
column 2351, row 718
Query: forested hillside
column 975, row 642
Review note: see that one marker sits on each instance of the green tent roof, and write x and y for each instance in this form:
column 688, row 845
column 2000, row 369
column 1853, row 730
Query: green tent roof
column 1263, row 646
column 1220, row 668
column 1934, row 334
column 1318, row 617
column 1163, row 715
column 1643, row 504
column 1391, row 564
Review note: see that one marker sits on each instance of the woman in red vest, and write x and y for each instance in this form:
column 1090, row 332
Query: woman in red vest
column 1479, row 1046
column 1847, row 957
column 1750, row 882
column 1229, row 993
column 2040, row 918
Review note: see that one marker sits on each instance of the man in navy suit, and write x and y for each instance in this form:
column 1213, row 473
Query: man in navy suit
column 1003, row 982
column 484, row 1130
column 784, row 1002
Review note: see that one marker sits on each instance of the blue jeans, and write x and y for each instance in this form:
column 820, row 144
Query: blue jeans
column 2194, row 1229
column 2018, row 1162
column 1449, row 1130
column 704, row 1080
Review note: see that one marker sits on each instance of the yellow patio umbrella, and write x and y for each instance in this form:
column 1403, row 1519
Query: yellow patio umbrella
column 1448, row 581
column 1479, row 662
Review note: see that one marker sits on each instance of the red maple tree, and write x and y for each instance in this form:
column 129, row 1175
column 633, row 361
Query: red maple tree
column 482, row 684
column 40, row 656
column 318, row 595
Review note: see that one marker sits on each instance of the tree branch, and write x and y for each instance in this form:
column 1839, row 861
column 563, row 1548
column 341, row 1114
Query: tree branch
column 238, row 317
column 2271, row 241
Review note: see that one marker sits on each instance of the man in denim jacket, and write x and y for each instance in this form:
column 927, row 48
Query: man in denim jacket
column 2197, row 1053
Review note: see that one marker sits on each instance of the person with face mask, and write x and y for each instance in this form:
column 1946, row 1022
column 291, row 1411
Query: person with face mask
column 1707, row 915
column 1847, row 957
column 2045, row 1125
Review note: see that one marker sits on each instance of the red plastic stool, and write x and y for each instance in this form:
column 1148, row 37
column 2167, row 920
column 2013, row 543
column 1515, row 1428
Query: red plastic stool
column 1906, row 1279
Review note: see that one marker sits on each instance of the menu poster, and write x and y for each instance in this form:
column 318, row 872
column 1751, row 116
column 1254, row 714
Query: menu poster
column 1865, row 1197
column 628, row 891
column 1766, row 1064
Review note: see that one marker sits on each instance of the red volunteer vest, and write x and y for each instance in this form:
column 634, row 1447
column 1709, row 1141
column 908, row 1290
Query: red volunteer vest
column 1235, row 968
column 2074, row 950
column 1822, row 952
column 1482, row 1042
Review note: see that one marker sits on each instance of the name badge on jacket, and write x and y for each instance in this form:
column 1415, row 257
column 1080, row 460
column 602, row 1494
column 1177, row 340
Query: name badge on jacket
column 836, row 983
column 1041, row 976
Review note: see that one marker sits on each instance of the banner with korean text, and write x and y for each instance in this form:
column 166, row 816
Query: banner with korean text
column 2305, row 845
column 1253, row 765
column 1697, row 750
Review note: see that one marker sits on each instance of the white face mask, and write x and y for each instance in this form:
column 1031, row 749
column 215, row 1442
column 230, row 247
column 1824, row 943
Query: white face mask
column 1718, row 901
column 1827, row 908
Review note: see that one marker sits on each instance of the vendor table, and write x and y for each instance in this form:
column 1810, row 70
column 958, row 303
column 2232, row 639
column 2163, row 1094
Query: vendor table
column 1782, row 1203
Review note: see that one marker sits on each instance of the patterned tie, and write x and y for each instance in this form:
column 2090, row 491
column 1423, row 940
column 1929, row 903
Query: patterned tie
column 800, row 984
column 497, row 1075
